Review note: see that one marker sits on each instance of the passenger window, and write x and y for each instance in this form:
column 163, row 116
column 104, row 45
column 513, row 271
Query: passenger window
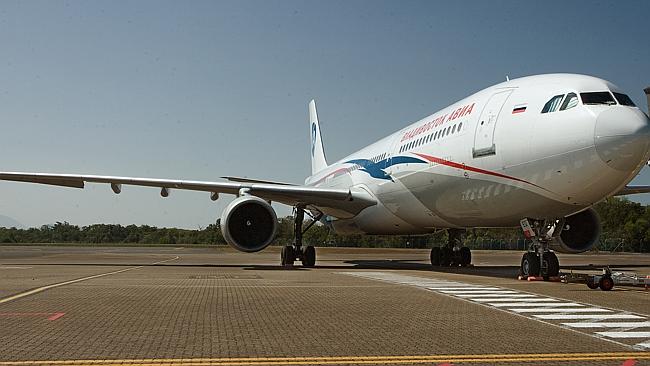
column 551, row 105
column 453, row 130
column 459, row 126
column 570, row 101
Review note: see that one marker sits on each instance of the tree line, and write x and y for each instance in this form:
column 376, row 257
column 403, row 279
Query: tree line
column 625, row 227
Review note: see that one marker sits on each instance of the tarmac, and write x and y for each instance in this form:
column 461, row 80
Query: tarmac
column 215, row 306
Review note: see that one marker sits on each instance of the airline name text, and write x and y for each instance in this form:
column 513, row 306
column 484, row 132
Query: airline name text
column 448, row 117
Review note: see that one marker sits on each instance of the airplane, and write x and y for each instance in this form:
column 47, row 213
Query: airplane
column 536, row 152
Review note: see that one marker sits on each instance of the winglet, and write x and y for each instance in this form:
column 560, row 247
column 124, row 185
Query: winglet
column 318, row 161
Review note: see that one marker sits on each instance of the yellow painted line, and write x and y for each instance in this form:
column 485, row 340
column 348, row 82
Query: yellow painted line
column 350, row 360
column 54, row 285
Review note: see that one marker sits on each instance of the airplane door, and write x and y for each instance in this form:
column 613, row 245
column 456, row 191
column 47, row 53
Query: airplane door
column 487, row 122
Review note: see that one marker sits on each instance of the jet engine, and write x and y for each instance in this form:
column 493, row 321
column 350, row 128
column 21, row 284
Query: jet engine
column 249, row 224
column 579, row 234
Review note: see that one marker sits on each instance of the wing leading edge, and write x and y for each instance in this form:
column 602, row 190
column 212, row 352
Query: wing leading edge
column 342, row 203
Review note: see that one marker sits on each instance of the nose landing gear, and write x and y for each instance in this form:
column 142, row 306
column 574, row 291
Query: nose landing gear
column 539, row 260
column 452, row 254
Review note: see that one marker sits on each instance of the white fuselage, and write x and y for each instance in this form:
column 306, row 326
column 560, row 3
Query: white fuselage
column 494, row 158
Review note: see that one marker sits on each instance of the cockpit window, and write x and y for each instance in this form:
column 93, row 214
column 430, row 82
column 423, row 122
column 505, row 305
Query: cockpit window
column 624, row 100
column 570, row 101
column 553, row 104
column 597, row 98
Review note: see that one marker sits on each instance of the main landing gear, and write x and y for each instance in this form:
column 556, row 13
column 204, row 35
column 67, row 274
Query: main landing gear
column 452, row 254
column 291, row 253
column 540, row 260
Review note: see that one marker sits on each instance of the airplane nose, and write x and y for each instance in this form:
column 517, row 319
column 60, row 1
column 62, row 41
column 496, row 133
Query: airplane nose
column 622, row 137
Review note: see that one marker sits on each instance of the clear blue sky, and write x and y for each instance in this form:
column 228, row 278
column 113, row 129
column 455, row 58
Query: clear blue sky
column 198, row 90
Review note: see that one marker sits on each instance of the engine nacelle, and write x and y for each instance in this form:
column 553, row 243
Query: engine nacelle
column 249, row 224
column 579, row 234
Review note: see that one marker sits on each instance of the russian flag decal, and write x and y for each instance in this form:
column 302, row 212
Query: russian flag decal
column 520, row 108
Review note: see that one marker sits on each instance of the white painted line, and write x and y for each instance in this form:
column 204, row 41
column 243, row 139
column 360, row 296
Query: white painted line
column 537, row 304
column 44, row 288
column 510, row 294
column 587, row 316
column 476, row 293
column 431, row 284
column 425, row 285
column 625, row 334
column 548, row 310
column 14, row 267
column 464, row 288
column 514, row 299
column 560, row 310
column 609, row 325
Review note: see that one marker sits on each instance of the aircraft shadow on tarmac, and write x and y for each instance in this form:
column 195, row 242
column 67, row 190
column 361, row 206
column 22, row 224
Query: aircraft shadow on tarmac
column 504, row 271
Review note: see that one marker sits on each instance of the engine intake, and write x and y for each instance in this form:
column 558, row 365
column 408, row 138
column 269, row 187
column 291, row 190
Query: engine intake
column 579, row 234
column 249, row 224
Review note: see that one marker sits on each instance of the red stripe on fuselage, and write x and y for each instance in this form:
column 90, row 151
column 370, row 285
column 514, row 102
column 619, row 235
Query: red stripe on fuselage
column 452, row 164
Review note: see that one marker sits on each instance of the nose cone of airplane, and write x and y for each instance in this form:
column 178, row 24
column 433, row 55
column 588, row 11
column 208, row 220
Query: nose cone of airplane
column 622, row 137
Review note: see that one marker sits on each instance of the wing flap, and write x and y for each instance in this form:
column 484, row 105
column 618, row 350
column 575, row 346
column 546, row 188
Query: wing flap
column 251, row 180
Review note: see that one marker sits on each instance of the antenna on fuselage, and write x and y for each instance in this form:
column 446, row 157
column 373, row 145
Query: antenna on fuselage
column 647, row 95
column 507, row 78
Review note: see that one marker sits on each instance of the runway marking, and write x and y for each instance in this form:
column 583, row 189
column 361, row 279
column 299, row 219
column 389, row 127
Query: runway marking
column 511, row 295
column 463, row 288
column 548, row 310
column 625, row 334
column 352, row 360
column 587, row 316
column 560, row 310
column 51, row 316
column 537, row 304
column 14, row 267
column 608, row 325
column 477, row 293
column 523, row 299
column 55, row 285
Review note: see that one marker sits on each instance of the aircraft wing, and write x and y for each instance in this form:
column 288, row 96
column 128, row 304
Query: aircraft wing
column 633, row 190
column 341, row 203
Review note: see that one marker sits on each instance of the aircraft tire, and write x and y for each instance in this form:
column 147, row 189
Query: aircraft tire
column 465, row 256
column 530, row 264
column 446, row 256
column 606, row 283
column 592, row 284
column 309, row 256
column 287, row 256
column 435, row 256
column 553, row 264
